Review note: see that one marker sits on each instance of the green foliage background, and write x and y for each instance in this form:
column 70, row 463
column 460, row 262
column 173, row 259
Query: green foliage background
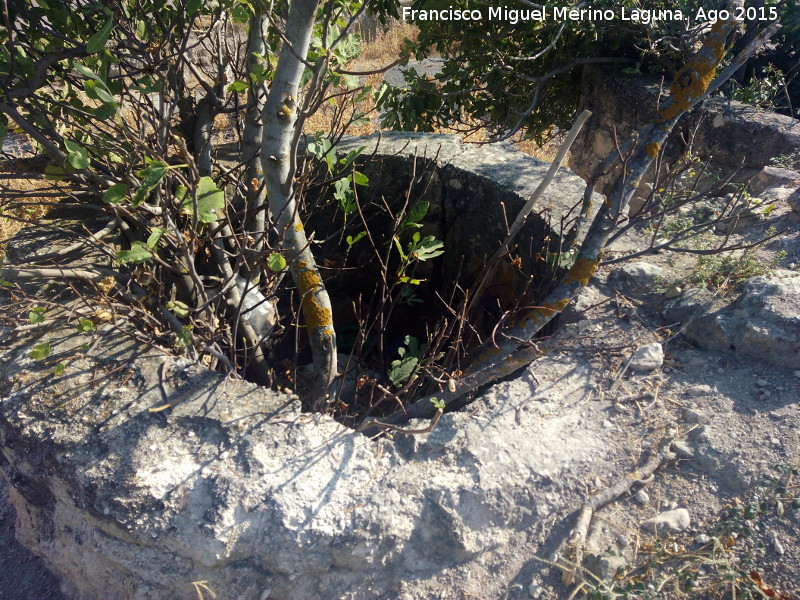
column 495, row 75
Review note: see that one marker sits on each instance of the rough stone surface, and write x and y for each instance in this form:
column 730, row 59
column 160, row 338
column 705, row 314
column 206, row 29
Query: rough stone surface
column 774, row 177
column 794, row 201
column 635, row 276
column 683, row 450
column 763, row 322
column 739, row 137
column 233, row 486
column 648, row 358
column 473, row 192
column 671, row 521
column 505, row 476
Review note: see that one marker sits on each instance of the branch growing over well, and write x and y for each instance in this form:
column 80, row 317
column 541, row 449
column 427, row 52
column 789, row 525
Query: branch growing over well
column 692, row 84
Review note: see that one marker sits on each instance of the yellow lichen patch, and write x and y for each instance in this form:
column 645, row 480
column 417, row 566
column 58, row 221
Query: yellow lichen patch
column 652, row 149
column 547, row 309
column 309, row 284
column 487, row 354
column 693, row 79
column 582, row 271
column 298, row 226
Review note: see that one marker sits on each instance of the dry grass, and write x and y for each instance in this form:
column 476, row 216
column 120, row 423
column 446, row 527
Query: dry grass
column 383, row 51
column 14, row 215
column 387, row 46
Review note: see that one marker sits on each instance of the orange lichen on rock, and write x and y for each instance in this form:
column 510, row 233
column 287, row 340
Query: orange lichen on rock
column 652, row 149
column 317, row 316
column 693, row 79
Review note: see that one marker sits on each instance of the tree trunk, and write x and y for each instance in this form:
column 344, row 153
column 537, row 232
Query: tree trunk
column 278, row 162
column 252, row 137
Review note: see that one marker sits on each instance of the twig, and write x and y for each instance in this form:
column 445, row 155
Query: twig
column 519, row 222
column 644, row 475
column 372, row 423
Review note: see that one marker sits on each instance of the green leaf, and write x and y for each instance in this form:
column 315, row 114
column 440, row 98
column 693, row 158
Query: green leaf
column 410, row 353
column 399, row 247
column 116, row 193
column 406, row 279
column 360, row 178
column 98, row 41
column 151, row 176
column 153, row 173
column 54, row 172
column 148, row 85
column 343, row 192
column 40, row 351
column 90, row 88
column 241, row 13
column 6, row 284
column 438, row 404
column 180, row 309
column 417, row 213
column 87, row 72
column 351, row 156
column 138, row 253
column 276, row 262
column 59, row 369
column 185, row 335
column 155, row 235
column 192, row 6
column 352, row 240
column 401, row 370
column 103, row 94
column 105, row 111
column 180, row 193
column 141, row 31
column 428, row 248
column 37, row 314
column 210, row 200
column 350, row 81
column 238, row 86
column 85, row 326
column 77, row 155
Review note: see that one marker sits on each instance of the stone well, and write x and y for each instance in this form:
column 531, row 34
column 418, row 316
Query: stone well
column 232, row 489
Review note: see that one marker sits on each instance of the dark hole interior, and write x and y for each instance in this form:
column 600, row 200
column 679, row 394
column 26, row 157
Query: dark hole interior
column 375, row 316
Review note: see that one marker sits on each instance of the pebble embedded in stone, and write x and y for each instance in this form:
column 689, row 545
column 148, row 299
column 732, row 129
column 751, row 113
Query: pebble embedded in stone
column 636, row 275
column 534, row 590
column 776, row 543
column 641, row 497
column 673, row 291
column 696, row 391
column 694, row 417
column 703, row 539
column 683, row 450
column 648, row 358
column 607, row 424
column 671, row 521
